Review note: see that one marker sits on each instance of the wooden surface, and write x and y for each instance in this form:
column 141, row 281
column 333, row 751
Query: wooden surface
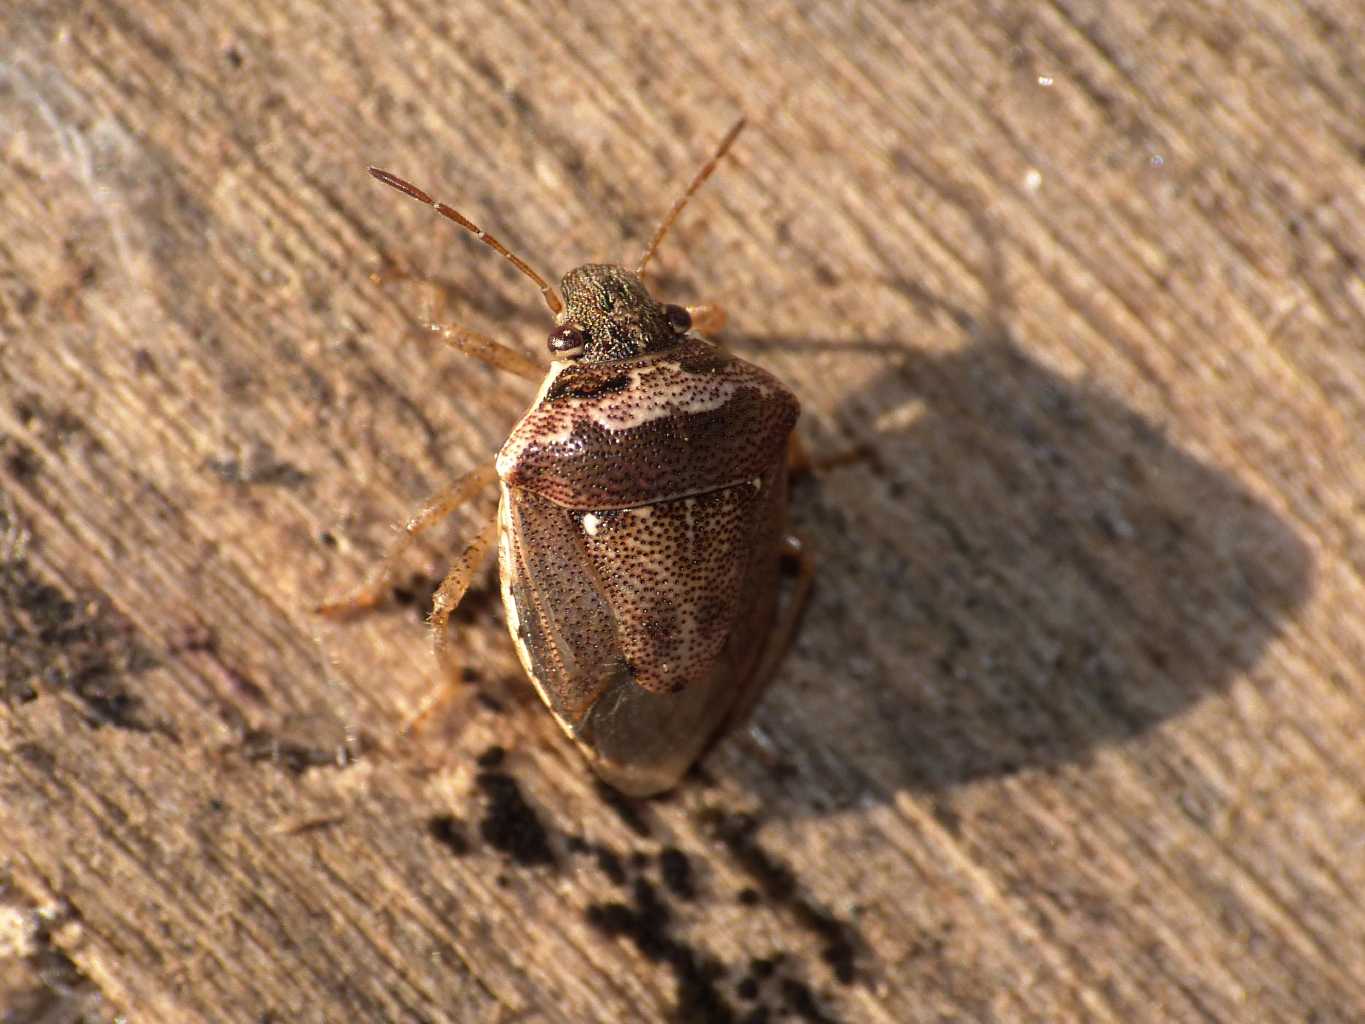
column 1073, row 728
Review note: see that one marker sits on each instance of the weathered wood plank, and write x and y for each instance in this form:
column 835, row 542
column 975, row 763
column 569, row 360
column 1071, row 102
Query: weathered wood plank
column 1072, row 730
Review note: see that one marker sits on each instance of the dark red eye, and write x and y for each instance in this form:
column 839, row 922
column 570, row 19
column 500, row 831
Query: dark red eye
column 566, row 341
column 680, row 318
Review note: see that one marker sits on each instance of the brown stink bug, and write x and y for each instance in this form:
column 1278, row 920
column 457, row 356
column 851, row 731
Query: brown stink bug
column 641, row 521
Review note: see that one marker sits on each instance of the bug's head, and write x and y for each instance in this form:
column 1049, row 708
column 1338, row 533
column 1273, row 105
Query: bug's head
column 608, row 315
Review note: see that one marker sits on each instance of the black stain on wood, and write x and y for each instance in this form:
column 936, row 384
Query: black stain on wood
column 629, row 811
column 492, row 757
column 446, row 829
column 676, row 870
column 647, row 924
column 511, row 825
column 52, row 641
column 776, row 882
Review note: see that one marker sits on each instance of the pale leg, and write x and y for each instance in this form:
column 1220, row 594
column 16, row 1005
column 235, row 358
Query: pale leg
column 437, row 508
column 471, row 343
column 707, row 318
column 485, row 349
column 447, row 599
column 801, row 463
column 452, row 591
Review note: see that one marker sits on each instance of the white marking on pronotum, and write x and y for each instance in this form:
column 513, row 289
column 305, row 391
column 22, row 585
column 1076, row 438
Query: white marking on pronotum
column 671, row 391
column 590, row 524
column 676, row 393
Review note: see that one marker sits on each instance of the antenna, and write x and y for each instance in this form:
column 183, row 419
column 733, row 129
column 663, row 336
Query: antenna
column 551, row 299
column 702, row 175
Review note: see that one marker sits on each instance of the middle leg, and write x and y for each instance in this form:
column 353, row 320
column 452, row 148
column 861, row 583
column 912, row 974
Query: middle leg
column 433, row 511
column 447, row 598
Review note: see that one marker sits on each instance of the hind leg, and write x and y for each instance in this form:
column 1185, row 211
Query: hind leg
column 781, row 637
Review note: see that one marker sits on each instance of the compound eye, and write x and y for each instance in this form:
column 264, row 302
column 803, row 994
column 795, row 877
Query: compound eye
column 680, row 318
column 566, row 342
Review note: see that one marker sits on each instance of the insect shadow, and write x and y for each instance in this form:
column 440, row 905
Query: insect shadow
column 1033, row 571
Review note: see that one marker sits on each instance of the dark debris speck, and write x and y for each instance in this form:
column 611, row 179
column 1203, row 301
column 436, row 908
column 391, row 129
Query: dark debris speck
column 293, row 756
column 259, row 467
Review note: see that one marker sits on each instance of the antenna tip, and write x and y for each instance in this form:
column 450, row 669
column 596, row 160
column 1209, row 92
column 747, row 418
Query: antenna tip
column 406, row 187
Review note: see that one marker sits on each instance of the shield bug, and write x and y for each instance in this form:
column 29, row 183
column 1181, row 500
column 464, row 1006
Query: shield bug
column 641, row 521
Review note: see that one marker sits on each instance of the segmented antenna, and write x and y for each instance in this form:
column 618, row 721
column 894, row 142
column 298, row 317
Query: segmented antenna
column 702, row 175
column 551, row 299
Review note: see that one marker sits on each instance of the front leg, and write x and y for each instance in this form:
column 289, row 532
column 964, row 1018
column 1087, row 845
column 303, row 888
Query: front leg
column 707, row 318
column 462, row 339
